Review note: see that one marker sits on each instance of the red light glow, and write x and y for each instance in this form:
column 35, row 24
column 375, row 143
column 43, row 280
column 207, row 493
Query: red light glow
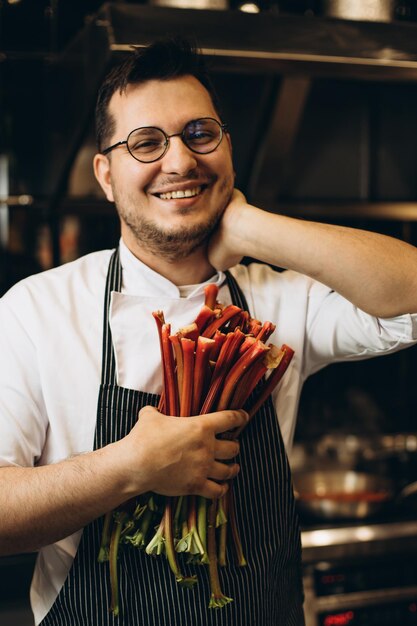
column 330, row 579
column 339, row 619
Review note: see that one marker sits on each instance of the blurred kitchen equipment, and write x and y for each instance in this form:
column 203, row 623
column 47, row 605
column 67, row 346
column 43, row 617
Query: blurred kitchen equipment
column 338, row 494
column 351, row 450
column 335, row 494
column 191, row 4
column 368, row 10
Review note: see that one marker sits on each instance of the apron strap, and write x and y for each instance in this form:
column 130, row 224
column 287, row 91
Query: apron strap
column 113, row 283
column 236, row 293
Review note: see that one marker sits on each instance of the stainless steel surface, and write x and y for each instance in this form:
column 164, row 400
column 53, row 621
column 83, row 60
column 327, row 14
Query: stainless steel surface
column 376, row 10
column 336, row 494
column 191, row 4
column 363, row 540
column 347, row 553
column 273, row 43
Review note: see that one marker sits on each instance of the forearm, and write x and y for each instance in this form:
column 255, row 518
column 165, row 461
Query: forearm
column 168, row 455
column 375, row 272
column 41, row 505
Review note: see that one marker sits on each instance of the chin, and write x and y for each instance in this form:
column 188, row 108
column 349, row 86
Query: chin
column 172, row 244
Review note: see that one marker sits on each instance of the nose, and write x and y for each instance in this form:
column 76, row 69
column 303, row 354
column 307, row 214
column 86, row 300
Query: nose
column 178, row 159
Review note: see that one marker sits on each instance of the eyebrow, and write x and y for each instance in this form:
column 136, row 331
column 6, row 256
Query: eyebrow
column 147, row 129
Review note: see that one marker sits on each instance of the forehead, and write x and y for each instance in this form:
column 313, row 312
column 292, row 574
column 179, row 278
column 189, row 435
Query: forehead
column 168, row 104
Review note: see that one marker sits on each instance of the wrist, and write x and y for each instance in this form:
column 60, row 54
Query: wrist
column 244, row 229
column 125, row 468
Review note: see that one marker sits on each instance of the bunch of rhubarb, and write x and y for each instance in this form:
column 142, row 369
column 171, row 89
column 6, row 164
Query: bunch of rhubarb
column 220, row 361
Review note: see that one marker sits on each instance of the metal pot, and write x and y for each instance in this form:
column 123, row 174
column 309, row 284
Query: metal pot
column 342, row 494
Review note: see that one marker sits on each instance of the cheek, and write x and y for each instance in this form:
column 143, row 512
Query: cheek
column 132, row 176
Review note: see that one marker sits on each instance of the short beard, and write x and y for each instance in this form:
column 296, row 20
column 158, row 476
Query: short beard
column 172, row 245
column 169, row 243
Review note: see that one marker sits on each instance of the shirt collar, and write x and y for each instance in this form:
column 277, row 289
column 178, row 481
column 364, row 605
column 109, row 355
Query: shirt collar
column 141, row 280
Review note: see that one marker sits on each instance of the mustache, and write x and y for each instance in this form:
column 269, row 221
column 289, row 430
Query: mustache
column 175, row 179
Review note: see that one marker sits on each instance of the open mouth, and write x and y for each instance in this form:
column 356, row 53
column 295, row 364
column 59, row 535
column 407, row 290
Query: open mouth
column 183, row 193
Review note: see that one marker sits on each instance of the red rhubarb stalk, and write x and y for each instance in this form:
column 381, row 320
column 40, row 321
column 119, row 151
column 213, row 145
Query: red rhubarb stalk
column 217, row 599
column 234, row 531
column 204, row 317
column 170, row 548
column 227, row 313
column 176, row 344
column 247, row 343
column 202, row 356
column 223, row 503
column 160, row 321
column 252, row 354
column 237, row 321
column 252, row 377
column 247, row 384
column 219, row 339
column 272, row 380
column 170, row 381
column 226, row 356
column 211, row 291
column 189, row 332
column 186, row 401
column 254, row 327
column 266, row 331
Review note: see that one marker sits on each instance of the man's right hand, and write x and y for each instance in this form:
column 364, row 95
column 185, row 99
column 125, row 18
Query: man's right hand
column 181, row 455
column 167, row 455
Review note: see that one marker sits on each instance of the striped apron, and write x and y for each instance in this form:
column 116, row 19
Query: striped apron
column 266, row 592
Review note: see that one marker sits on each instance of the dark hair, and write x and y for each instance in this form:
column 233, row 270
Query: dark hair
column 162, row 60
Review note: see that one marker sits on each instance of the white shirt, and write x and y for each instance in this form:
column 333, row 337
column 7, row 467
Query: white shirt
column 51, row 344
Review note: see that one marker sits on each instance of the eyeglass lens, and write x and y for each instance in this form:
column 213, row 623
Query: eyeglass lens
column 149, row 144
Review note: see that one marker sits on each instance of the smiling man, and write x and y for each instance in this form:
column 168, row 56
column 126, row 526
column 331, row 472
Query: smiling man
column 80, row 372
column 170, row 205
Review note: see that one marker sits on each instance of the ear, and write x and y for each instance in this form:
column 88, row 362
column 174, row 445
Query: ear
column 101, row 166
column 229, row 141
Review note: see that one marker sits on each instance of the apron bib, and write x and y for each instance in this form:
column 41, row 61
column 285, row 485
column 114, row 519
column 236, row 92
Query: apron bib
column 266, row 592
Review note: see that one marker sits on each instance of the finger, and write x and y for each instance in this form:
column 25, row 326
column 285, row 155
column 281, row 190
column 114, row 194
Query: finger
column 221, row 471
column 148, row 410
column 225, row 449
column 227, row 420
column 213, row 490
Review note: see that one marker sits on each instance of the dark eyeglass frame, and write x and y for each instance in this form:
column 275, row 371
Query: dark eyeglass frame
column 222, row 128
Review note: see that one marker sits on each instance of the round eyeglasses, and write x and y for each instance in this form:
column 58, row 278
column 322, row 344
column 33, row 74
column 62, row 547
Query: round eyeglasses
column 148, row 143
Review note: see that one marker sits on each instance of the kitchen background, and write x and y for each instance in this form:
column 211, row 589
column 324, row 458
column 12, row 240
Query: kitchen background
column 320, row 97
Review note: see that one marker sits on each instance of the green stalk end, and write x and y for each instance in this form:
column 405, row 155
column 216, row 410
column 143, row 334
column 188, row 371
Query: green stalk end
column 186, row 582
column 218, row 602
column 103, row 555
column 119, row 521
column 104, row 552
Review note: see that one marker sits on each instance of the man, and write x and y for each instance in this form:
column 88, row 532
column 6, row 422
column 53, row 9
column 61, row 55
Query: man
column 165, row 160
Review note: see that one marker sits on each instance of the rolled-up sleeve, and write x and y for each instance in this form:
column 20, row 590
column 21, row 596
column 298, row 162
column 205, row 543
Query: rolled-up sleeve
column 339, row 331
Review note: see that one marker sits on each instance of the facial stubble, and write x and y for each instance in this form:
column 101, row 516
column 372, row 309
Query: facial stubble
column 172, row 244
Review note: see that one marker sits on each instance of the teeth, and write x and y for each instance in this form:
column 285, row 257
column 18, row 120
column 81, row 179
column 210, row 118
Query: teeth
column 186, row 193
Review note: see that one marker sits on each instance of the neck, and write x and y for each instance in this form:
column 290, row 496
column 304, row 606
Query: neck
column 192, row 270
